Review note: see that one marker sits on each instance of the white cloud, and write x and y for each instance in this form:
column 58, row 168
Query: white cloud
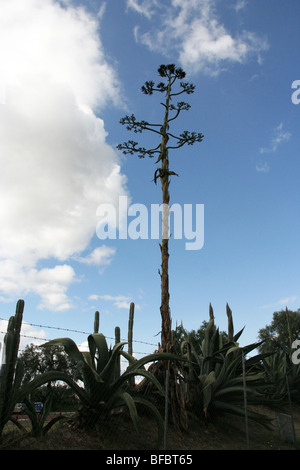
column 279, row 137
column 60, row 44
column 263, row 167
column 50, row 284
column 56, row 167
column 287, row 300
column 240, row 5
column 119, row 301
column 193, row 30
column 29, row 334
column 100, row 256
column 145, row 7
column 282, row 303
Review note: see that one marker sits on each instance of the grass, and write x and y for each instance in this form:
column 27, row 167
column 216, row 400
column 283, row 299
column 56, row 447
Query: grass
column 225, row 433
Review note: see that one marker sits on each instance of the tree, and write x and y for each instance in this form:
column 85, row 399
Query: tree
column 37, row 360
column 280, row 334
column 168, row 141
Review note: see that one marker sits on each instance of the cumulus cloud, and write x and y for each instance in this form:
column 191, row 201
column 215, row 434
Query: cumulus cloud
column 56, row 166
column 50, row 284
column 193, row 30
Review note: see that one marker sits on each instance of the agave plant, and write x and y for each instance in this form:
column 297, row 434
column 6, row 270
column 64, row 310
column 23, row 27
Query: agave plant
column 222, row 389
column 39, row 427
column 216, row 373
column 283, row 374
column 102, row 390
column 274, row 367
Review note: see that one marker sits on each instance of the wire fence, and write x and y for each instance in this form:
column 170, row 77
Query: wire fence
column 124, row 363
column 71, row 331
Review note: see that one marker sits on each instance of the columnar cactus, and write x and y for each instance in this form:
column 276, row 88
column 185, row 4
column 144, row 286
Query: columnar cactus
column 130, row 335
column 117, row 335
column 130, row 328
column 118, row 340
column 11, row 368
column 96, row 322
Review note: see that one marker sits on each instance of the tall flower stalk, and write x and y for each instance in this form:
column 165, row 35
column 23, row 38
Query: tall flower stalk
column 170, row 74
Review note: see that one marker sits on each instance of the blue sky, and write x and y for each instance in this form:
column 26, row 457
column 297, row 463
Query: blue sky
column 69, row 71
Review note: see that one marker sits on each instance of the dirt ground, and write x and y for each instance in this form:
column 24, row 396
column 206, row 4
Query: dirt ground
column 226, row 433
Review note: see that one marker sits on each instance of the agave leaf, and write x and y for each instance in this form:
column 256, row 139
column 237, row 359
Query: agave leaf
column 233, row 349
column 220, row 375
column 249, row 378
column 97, row 341
column 128, row 357
column 239, row 411
column 46, row 410
column 206, row 340
column 232, row 391
column 157, row 415
column 226, row 347
column 237, row 335
column 69, row 345
column 88, row 359
column 256, row 359
column 95, row 388
column 54, row 376
column 51, row 423
column 233, row 365
column 153, row 358
column 129, row 401
column 30, row 411
column 144, row 373
column 251, row 347
column 214, row 342
column 108, row 371
column 209, row 379
column 207, row 390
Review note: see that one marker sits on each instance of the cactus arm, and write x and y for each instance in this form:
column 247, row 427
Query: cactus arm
column 96, row 322
column 130, row 328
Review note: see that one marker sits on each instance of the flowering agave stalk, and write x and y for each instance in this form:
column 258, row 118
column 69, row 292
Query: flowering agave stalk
column 167, row 141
